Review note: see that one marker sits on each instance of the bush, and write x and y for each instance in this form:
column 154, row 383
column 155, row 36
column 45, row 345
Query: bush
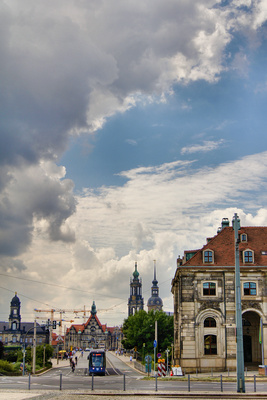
column 7, row 368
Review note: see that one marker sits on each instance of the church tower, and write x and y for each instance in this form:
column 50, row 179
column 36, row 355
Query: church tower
column 154, row 302
column 135, row 301
column 14, row 317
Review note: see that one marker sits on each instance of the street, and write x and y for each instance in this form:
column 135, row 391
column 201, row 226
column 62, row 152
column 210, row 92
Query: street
column 120, row 377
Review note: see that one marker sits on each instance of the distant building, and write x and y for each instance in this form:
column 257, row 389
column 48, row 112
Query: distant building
column 93, row 334
column 135, row 301
column 154, row 302
column 15, row 332
column 204, row 301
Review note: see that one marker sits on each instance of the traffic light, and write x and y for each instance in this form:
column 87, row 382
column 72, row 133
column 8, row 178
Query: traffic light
column 54, row 324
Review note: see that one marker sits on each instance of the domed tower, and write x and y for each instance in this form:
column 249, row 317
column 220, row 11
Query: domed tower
column 14, row 317
column 135, row 301
column 154, row 302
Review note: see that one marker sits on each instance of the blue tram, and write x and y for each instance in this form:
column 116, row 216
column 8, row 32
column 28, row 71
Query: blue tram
column 97, row 362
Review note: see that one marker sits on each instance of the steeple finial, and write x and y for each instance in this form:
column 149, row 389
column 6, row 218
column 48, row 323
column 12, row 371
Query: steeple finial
column 135, row 273
column 93, row 309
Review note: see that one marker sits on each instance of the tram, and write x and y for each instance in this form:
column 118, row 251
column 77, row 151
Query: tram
column 97, row 362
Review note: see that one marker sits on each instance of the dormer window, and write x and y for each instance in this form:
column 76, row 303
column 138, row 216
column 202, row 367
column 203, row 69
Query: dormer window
column 208, row 257
column 248, row 257
column 244, row 237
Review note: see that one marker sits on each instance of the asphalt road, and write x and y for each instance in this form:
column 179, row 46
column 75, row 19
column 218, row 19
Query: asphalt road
column 120, row 376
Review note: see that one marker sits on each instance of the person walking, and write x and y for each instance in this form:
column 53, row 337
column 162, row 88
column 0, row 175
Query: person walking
column 72, row 366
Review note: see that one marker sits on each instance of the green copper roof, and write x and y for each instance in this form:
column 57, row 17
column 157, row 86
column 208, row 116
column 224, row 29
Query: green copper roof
column 93, row 309
column 135, row 273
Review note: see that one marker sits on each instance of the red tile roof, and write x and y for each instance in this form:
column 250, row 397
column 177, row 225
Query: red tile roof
column 223, row 245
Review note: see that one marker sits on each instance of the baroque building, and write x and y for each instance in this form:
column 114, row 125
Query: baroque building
column 15, row 332
column 93, row 334
column 154, row 302
column 135, row 301
column 204, row 301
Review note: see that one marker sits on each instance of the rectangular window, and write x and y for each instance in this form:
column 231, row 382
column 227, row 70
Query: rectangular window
column 210, row 344
column 209, row 289
column 250, row 289
column 208, row 256
column 248, row 257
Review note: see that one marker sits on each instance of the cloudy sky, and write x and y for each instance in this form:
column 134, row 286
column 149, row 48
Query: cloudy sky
column 128, row 130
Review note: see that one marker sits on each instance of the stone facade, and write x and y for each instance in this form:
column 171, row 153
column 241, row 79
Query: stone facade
column 16, row 333
column 93, row 334
column 204, row 301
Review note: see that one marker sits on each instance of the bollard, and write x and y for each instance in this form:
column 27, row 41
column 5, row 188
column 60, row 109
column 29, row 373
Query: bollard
column 156, row 382
column 188, row 382
column 255, row 383
column 221, row 384
column 124, row 383
column 29, row 384
column 60, row 382
column 196, row 371
column 92, row 381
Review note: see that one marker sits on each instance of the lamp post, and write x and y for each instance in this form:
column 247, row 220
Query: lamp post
column 155, row 345
column 172, row 354
column 238, row 313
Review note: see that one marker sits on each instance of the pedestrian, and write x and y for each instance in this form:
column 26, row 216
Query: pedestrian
column 131, row 358
column 76, row 360
column 72, row 366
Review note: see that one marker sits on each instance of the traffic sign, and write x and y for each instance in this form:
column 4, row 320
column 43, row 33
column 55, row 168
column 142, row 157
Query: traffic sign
column 148, row 359
column 155, row 343
column 159, row 355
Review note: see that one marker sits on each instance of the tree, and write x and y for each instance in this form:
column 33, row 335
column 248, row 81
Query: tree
column 1, row 350
column 140, row 328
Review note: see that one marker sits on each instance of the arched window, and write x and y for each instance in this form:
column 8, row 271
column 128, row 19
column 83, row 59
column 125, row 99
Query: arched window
column 209, row 289
column 14, row 326
column 210, row 344
column 248, row 256
column 250, row 289
column 210, row 323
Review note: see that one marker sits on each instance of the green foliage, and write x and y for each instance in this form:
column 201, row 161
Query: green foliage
column 1, row 350
column 12, row 356
column 40, row 354
column 139, row 329
column 28, row 355
column 7, row 368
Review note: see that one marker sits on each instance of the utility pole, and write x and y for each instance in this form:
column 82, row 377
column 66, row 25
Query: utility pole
column 155, row 345
column 238, row 314
column 34, row 348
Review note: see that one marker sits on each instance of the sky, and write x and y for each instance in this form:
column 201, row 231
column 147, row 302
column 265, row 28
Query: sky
column 128, row 130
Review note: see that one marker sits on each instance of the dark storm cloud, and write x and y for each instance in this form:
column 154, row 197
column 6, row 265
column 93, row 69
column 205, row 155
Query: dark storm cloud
column 67, row 65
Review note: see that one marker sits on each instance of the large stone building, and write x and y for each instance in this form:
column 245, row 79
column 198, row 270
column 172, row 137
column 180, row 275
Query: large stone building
column 204, row 300
column 135, row 301
column 154, row 302
column 15, row 332
column 93, row 334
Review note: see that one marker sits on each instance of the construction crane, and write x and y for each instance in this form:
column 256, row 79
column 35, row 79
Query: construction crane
column 51, row 311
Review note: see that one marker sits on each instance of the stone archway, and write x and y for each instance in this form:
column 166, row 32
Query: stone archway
column 252, row 346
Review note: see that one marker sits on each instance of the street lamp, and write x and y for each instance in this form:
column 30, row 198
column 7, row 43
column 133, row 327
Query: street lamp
column 238, row 313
